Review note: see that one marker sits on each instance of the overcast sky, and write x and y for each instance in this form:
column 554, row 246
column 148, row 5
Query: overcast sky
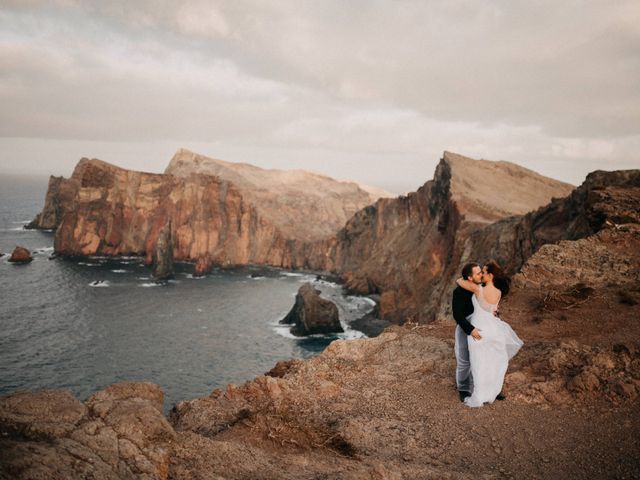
column 372, row 91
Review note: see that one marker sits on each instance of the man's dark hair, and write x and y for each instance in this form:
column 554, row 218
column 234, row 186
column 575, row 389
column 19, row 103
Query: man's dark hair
column 467, row 270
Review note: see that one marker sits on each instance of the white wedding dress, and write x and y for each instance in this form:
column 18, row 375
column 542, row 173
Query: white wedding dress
column 489, row 357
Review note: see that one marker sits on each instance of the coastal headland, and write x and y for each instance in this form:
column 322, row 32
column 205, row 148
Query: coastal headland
column 383, row 407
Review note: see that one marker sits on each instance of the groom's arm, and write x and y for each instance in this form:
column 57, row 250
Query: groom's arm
column 461, row 311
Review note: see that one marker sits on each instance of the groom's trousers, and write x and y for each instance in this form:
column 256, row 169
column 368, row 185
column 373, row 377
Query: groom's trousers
column 464, row 380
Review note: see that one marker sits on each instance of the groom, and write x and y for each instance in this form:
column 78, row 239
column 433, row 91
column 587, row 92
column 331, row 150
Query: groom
column 462, row 308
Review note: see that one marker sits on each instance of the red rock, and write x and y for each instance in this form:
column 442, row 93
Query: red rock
column 20, row 255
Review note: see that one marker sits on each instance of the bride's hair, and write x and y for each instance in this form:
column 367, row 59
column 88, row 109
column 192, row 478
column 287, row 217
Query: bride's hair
column 500, row 279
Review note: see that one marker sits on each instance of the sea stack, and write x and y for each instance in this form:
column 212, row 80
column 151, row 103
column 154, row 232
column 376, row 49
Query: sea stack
column 163, row 259
column 312, row 314
column 20, row 255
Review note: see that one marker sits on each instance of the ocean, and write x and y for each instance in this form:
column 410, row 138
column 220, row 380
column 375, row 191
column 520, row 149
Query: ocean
column 82, row 324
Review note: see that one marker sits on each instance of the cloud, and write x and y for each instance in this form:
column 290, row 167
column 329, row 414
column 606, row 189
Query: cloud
column 545, row 84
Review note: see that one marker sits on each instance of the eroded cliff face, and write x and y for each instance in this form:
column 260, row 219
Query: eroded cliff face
column 603, row 200
column 409, row 249
column 106, row 210
column 303, row 205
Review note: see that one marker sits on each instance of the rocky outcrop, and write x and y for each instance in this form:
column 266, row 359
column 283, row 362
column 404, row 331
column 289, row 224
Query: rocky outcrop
column 20, row 255
column 120, row 212
column 263, row 219
column 302, row 205
column 163, row 261
column 407, row 249
column 61, row 197
column 603, row 201
column 312, row 314
column 119, row 432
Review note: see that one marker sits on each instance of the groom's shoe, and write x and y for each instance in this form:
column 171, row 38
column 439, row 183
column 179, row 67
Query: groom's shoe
column 501, row 396
column 463, row 395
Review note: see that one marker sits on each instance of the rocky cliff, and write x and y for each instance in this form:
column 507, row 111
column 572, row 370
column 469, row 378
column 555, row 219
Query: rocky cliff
column 407, row 249
column 219, row 213
column 302, row 205
column 106, row 210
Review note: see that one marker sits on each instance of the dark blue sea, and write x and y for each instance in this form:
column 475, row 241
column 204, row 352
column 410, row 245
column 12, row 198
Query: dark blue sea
column 82, row 324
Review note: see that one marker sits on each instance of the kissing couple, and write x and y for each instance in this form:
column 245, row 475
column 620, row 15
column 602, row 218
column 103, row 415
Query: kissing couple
column 484, row 344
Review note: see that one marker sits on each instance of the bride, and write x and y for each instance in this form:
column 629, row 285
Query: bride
column 489, row 356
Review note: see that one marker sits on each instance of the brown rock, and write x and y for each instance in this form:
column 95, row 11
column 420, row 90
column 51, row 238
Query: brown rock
column 302, row 205
column 163, row 258
column 20, row 255
column 410, row 249
column 312, row 314
column 585, row 381
column 626, row 389
column 47, row 413
column 50, row 434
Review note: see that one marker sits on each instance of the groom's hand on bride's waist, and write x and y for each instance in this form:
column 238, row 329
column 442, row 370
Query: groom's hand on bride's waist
column 475, row 333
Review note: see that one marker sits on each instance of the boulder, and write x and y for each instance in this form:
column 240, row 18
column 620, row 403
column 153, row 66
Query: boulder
column 312, row 314
column 119, row 432
column 20, row 255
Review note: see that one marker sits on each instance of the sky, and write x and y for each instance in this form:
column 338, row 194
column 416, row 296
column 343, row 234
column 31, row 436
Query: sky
column 372, row 91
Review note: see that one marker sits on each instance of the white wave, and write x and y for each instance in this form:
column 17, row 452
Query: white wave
column 285, row 331
column 119, row 270
column 194, row 277
column 143, row 278
column 150, row 284
column 361, row 300
column 23, row 222
column 326, row 283
column 89, row 264
column 100, row 284
column 256, row 278
column 292, row 274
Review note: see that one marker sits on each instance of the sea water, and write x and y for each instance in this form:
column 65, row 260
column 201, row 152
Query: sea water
column 82, row 324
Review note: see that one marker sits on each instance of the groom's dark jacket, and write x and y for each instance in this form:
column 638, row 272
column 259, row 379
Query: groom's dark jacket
column 462, row 307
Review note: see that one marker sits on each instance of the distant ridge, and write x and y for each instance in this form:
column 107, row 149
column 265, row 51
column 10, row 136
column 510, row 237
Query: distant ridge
column 487, row 190
column 289, row 198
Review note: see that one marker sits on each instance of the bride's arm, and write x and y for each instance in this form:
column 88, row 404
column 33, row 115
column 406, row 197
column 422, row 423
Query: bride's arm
column 467, row 285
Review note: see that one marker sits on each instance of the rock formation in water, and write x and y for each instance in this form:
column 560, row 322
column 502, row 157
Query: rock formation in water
column 120, row 212
column 20, row 255
column 163, row 261
column 312, row 314
column 106, row 210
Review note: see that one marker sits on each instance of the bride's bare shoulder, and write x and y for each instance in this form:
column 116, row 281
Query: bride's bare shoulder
column 491, row 294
